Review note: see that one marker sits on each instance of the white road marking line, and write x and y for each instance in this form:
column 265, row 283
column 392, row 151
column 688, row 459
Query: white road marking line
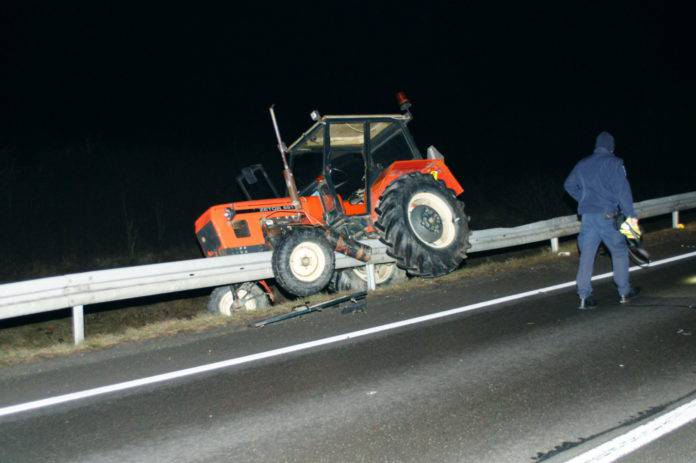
column 626, row 443
column 42, row 403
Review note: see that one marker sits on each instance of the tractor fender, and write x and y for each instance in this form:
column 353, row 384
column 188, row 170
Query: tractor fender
column 435, row 167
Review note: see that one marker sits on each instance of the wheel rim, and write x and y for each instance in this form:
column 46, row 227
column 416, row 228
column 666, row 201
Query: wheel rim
column 431, row 219
column 246, row 299
column 382, row 272
column 225, row 304
column 307, row 261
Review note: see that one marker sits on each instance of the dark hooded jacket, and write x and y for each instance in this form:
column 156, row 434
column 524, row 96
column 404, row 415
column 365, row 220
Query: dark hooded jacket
column 598, row 182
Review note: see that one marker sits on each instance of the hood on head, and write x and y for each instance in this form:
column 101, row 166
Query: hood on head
column 605, row 140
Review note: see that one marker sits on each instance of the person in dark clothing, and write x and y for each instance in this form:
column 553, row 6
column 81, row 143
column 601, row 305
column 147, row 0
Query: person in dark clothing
column 599, row 184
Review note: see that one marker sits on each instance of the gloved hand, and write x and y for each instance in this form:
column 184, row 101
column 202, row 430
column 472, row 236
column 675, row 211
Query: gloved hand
column 630, row 229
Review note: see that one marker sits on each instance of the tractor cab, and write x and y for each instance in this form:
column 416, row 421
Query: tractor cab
column 340, row 157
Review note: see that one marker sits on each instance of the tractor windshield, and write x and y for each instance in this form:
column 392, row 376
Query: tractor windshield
column 306, row 167
column 306, row 158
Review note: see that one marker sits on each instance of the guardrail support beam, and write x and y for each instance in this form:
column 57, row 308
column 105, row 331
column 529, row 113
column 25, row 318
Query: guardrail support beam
column 78, row 324
column 675, row 219
column 554, row 245
column 370, row 270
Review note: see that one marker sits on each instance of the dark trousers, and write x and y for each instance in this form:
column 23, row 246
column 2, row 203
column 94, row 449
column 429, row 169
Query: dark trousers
column 596, row 229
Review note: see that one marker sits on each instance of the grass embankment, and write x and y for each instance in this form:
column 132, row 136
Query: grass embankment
column 112, row 326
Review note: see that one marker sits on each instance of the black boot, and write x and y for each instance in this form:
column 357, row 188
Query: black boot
column 587, row 303
column 625, row 299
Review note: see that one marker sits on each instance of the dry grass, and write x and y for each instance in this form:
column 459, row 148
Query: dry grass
column 110, row 327
column 106, row 328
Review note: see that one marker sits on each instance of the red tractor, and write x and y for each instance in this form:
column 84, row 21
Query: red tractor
column 348, row 178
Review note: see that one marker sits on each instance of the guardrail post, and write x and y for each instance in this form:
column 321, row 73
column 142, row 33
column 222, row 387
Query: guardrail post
column 675, row 219
column 370, row 270
column 554, row 245
column 78, row 324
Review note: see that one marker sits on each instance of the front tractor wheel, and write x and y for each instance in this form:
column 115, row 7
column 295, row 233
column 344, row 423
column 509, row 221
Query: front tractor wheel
column 355, row 279
column 303, row 261
column 424, row 225
column 226, row 300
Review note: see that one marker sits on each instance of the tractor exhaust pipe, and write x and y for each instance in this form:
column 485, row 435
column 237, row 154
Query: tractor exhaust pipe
column 287, row 173
column 348, row 246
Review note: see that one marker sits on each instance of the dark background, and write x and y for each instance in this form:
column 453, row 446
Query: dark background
column 122, row 123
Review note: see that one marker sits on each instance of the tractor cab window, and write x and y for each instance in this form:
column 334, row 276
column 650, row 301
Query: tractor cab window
column 306, row 167
column 307, row 159
column 346, row 162
column 389, row 146
column 347, row 172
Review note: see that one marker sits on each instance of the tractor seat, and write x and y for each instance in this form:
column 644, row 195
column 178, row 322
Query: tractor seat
column 357, row 197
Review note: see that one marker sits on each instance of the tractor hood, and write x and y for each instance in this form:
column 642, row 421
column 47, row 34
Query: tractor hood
column 256, row 210
column 261, row 205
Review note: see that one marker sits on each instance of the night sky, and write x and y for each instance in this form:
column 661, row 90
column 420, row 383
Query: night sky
column 502, row 90
column 499, row 76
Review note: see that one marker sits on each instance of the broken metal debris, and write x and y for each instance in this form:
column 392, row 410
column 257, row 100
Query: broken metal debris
column 356, row 302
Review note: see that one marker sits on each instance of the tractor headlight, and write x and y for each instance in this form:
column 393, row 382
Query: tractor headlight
column 229, row 213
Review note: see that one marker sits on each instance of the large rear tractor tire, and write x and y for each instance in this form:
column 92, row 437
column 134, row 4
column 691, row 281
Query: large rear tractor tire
column 355, row 279
column 226, row 300
column 303, row 261
column 424, row 225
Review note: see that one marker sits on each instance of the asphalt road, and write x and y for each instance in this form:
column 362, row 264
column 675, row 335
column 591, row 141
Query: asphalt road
column 529, row 380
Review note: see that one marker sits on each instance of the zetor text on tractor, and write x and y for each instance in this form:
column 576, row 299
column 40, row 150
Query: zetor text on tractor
column 348, row 178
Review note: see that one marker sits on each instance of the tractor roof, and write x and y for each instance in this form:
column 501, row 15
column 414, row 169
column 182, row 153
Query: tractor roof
column 367, row 117
column 346, row 130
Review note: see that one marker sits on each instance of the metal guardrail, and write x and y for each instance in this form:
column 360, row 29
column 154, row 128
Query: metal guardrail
column 80, row 289
column 552, row 229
